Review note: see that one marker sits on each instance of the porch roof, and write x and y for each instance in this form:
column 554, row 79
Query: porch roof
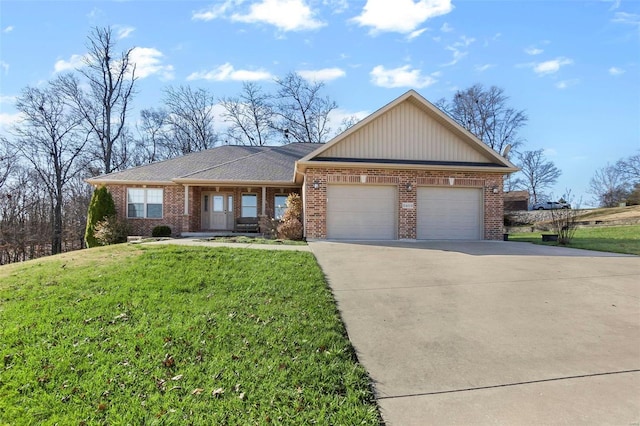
column 229, row 164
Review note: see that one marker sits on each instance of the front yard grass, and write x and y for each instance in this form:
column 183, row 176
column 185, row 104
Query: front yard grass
column 615, row 239
column 176, row 335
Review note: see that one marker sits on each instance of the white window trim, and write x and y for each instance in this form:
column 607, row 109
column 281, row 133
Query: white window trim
column 275, row 205
column 242, row 204
column 145, row 203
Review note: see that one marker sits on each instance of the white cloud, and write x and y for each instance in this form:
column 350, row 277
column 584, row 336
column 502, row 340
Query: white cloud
column 286, row 15
column 338, row 116
column 148, row 61
column 484, row 67
column 616, row 71
column 552, row 66
column 324, row 74
column 550, row 152
column 124, row 32
column 626, row 18
column 456, row 47
column 533, row 51
column 402, row 16
column 74, row 62
column 400, row 77
column 614, row 4
column 8, row 29
column 415, row 33
column 4, row 66
column 214, row 11
column 7, row 119
column 564, row 84
column 4, row 99
column 336, row 6
column 226, row 72
column 446, row 28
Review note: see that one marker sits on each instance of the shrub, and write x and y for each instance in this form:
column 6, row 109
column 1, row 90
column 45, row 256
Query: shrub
column 291, row 227
column 564, row 223
column 269, row 226
column 161, row 231
column 111, row 230
column 101, row 206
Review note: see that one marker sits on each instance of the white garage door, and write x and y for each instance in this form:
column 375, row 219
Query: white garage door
column 361, row 212
column 449, row 214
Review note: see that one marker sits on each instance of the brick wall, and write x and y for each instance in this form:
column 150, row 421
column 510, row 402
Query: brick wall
column 172, row 209
column 173, row 206
column 316, row 206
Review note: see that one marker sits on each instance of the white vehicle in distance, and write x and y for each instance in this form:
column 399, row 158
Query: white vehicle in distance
column 550, row 205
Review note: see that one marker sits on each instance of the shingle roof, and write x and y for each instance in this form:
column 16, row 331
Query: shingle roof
column 229, row 163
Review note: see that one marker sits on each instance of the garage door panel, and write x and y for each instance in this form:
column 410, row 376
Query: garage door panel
column 449, row 213
column 361, row 212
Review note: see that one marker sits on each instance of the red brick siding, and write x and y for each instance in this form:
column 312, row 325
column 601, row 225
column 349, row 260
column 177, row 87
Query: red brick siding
column 316, row 209
column 172, row 209
column 173, row 206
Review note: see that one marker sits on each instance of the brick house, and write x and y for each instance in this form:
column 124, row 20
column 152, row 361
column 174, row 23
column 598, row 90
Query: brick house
column 407, row 171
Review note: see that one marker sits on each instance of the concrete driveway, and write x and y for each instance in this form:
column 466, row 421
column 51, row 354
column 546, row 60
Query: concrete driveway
column 492, row 332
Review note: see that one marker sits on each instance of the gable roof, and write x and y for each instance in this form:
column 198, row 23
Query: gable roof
column 223, row 164
column 409, row 131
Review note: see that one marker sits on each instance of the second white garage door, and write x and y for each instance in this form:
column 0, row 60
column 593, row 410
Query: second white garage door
column 361, row 212
column 449, row 213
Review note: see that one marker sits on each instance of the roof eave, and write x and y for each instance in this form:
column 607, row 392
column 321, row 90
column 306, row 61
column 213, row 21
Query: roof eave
column 363, row 165
column 210, row 182
column 98, row 181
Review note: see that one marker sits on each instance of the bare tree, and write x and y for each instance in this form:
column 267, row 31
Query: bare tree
column 249, row 116
column 105, row 105
column 189, row 120
column 50, row 138
column 152, row 144
column 630, row 167
column 302, row 110
column 538, row 173
column 7, row 159
column 485, row 113
column 609, row 186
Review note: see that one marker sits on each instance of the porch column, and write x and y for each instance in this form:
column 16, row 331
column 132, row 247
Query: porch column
column 264, row 200
column 186, row 200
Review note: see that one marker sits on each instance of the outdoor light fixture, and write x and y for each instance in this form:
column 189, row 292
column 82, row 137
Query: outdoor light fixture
column 495, row 189
column 316, row 184
column 409, row 186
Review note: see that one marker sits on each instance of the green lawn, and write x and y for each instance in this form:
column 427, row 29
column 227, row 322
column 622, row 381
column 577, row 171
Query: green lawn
column 176, row 335
column 616, row 239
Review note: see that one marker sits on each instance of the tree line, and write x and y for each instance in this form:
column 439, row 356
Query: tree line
column 79, row 125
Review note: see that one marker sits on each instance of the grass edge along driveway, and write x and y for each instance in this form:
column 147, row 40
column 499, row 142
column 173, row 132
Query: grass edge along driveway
column 176, row 335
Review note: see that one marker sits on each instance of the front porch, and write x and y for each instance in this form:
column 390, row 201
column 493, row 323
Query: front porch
column 216, row 210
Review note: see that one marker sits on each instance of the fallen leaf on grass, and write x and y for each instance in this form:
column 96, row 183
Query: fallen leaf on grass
column 197, row 391
column 217, row 393
column 178, row 377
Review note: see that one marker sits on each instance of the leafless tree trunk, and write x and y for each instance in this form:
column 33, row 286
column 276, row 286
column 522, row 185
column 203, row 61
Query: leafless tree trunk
column 302, row 110
column 104, row 107
column 485, row 113
column 7, row 160
column 51, row 139
column 538, row 173
column 249, row 116
column 189, row 120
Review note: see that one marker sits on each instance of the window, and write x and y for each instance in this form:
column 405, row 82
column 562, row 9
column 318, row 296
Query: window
column 280, row 204
column 249, row 205
column 144, row 203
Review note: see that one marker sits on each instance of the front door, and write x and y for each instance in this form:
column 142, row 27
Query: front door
column 217, row 211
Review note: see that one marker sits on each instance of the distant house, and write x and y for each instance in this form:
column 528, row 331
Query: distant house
column 408, row 171
column 516, row 200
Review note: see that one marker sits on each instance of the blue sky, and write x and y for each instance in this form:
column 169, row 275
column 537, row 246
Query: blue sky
column 573, row 66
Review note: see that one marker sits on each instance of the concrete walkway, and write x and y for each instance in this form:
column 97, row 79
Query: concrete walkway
column 492, row 332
